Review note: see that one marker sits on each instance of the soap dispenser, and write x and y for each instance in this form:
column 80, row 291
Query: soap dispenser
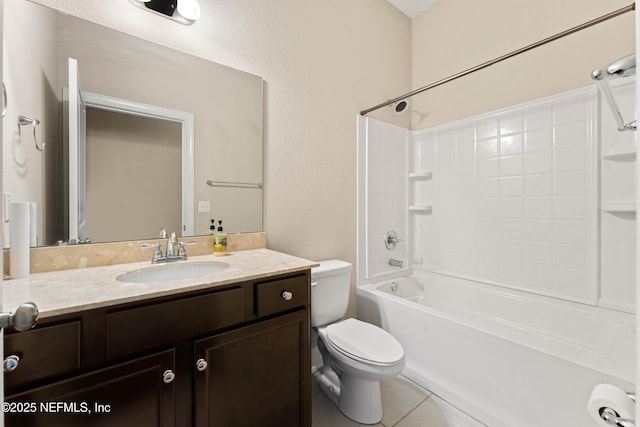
column 220, row 241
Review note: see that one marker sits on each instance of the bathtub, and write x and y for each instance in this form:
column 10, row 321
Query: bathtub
column 508, row 358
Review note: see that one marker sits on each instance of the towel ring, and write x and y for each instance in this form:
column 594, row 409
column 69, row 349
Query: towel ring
column 27, row 121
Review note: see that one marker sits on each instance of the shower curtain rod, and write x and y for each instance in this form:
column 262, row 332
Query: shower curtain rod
column 539, row 43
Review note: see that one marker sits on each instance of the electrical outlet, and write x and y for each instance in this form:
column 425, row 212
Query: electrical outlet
column 204, row 206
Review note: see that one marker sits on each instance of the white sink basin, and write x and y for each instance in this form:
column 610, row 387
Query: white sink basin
column 167, row 272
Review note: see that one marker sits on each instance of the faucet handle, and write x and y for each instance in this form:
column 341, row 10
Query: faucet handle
column 157, row 254
column 182, row 252
column 163, row 233
column 391, row 240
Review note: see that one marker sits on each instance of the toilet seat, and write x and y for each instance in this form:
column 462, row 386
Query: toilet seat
column 364, row 342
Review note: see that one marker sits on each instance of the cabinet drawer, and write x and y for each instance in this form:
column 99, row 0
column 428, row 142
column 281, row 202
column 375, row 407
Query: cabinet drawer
column 270, row 298
column 142, row 328
column 44, row 352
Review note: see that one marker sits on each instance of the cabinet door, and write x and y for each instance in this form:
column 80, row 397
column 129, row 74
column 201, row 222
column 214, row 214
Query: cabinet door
column 258, row 375
column 129, row 394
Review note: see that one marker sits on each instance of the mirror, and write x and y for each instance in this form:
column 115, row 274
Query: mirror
column 227, row 109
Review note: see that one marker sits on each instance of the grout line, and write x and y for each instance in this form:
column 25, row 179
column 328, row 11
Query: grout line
column 416, row 407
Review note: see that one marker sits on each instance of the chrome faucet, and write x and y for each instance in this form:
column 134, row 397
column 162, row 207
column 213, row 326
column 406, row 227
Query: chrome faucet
column 170, row 256
column 171, row 244
column 396, row 262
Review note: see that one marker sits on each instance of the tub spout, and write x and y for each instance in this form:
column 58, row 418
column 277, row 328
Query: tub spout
column 396, row 262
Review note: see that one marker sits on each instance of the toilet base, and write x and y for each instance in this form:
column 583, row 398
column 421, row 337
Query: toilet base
column 329, row 384
column 360, row 399
column 352, row 386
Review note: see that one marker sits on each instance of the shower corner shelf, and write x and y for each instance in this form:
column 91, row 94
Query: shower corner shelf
column 421, row 175
column 626, row 207
column 621, row 154
column 424, row 209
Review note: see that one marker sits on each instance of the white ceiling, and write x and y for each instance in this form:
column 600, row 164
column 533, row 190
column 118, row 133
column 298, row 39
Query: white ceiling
column 413, row 8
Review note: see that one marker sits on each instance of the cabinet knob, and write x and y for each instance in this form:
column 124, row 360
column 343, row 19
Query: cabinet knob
column 201, row 365
column 287, row 295
column 11, row 363
column 168, row 376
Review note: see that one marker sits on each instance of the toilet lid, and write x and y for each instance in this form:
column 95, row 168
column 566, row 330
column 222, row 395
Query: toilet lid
column 365, row 341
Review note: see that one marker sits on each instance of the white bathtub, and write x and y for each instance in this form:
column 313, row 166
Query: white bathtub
column 509, row 359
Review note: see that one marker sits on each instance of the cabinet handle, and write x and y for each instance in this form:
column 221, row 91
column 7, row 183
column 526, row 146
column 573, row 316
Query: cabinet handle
column 168, row 376
column 11, row 363
column 201, row 365
column 287, row 296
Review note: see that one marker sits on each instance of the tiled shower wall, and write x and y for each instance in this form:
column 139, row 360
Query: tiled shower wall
column 538, row 197
column 618, row 207
column 382, row 172
column 512, row 198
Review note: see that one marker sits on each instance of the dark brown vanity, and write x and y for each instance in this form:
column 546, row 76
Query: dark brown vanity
column 235, row 354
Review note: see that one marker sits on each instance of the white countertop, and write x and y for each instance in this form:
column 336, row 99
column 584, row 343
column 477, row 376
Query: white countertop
column 69, row 291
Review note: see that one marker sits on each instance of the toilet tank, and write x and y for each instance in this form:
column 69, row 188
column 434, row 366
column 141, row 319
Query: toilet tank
column 330, row 283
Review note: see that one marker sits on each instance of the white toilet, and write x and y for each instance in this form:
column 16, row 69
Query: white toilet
column 356, row 355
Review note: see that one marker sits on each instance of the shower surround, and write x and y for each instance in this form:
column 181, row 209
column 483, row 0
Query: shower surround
column 522, row 218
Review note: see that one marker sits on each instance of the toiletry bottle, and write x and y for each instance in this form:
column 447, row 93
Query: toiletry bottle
column 220, row 242
column 212, row 232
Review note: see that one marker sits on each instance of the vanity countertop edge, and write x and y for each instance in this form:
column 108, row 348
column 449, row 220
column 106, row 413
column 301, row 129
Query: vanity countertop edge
column 71, row 291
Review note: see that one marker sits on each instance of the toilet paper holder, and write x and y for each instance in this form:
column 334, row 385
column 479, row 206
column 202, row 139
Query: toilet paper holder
column 611, row 417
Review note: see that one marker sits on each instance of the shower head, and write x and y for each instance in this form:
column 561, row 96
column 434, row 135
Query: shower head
column 623, row 67
column 400, row 106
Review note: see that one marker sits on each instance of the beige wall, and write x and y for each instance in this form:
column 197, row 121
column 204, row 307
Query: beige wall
column 322, row 63
column 455, row 35
column 23, row 167
column 134, row 176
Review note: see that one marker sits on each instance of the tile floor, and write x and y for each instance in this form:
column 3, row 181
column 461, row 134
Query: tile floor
column 404, row 403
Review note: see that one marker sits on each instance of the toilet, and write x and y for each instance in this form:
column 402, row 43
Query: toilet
column 356, row 355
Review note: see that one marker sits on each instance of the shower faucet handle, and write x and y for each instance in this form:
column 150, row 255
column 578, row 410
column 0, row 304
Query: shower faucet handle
column 391, row 240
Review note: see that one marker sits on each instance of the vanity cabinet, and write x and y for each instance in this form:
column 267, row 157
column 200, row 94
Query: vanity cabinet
column 231, row 355
column 128, row 391
column 253, row 376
